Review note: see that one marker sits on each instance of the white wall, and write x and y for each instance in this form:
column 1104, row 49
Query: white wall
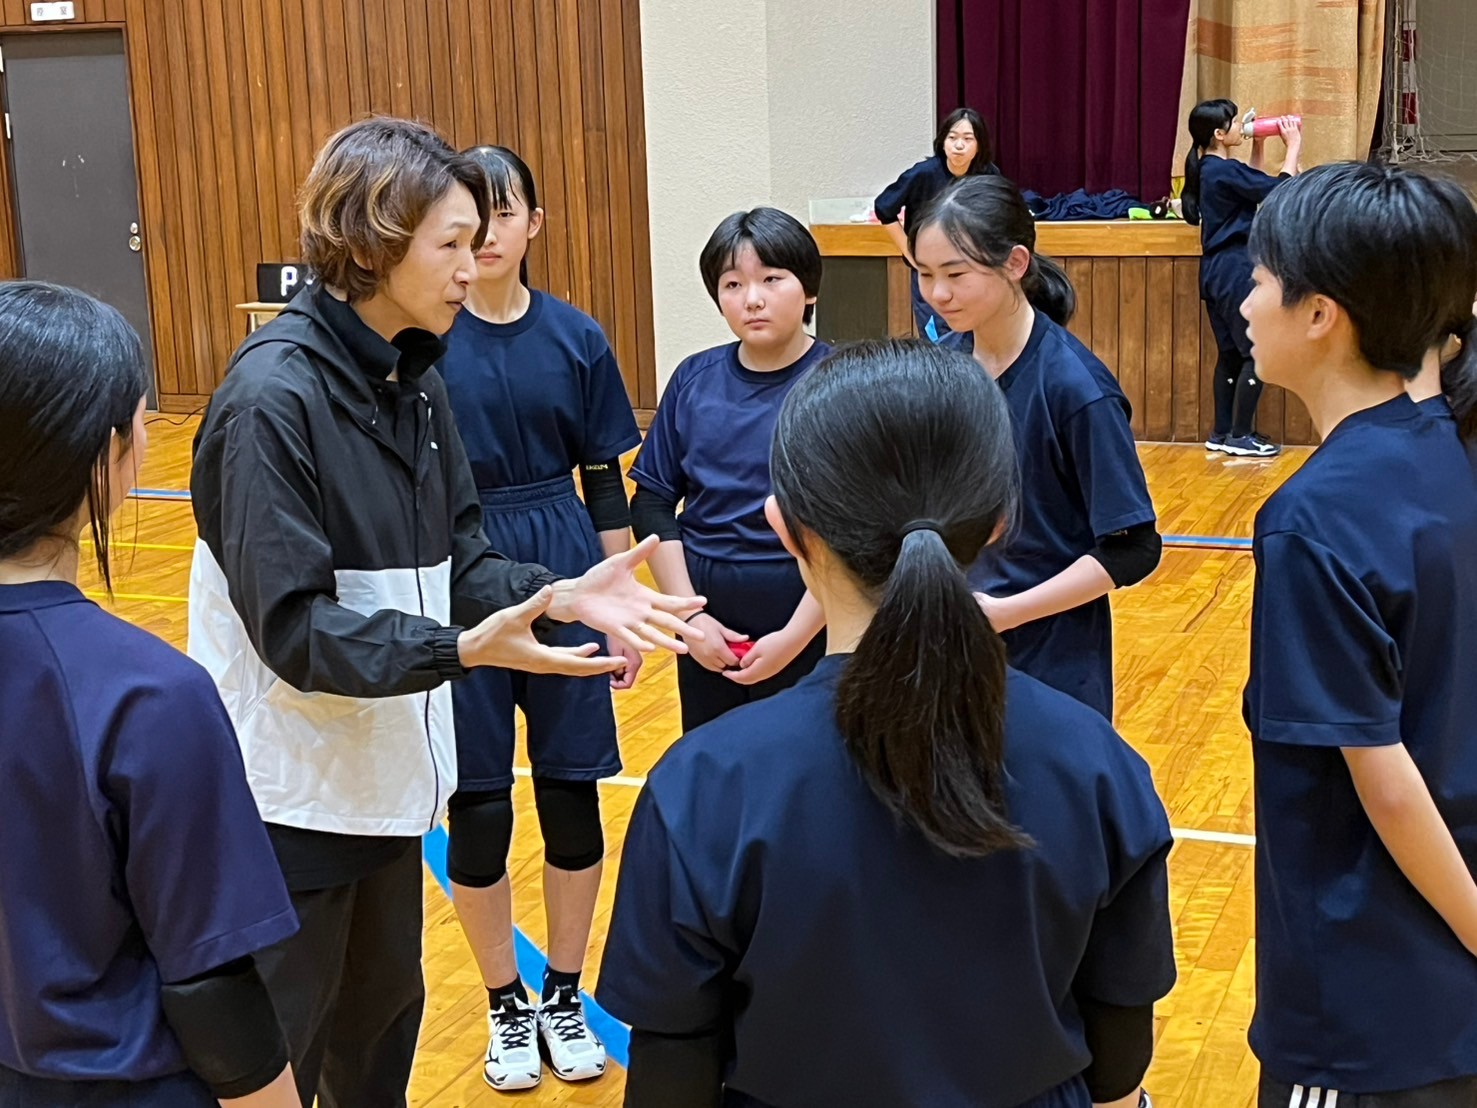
column 754, row 102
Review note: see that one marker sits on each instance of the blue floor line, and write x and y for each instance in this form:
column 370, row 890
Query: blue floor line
column 531, row 961
column 161, row 494
column 1208, row 540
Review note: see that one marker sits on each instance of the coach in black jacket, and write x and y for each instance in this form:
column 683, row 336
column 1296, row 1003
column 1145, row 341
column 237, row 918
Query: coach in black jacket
column 341, row 560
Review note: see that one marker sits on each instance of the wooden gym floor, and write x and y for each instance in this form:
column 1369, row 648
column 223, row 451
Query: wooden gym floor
column 1181, row 664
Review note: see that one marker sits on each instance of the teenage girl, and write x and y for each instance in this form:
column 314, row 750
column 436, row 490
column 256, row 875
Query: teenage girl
column 1085, row 524
column 536, row 393
column 1221, row 195
column 709, row 447
column 1363, row 645
column 961, row 148
column 912, row 816
column 138, row 880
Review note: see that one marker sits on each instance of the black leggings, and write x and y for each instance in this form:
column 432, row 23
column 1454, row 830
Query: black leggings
column 1237, row 390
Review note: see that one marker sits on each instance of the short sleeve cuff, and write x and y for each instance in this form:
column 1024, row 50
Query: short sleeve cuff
column 1299, row 733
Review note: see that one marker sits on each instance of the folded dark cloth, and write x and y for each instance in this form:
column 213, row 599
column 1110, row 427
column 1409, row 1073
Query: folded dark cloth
column 1113, row 204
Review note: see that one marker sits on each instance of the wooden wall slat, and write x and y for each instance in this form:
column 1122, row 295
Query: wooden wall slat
column 1297, row 424
column 1208, row 355
column 1271, row 413
column 399, row 58
column 354, row 20
column 624, row 243
column 1187, row 315
column 552, row 142
column 1159, row 350
column 232, row 98
column 1106, row 311
column 1132, row 314
column 418, row 50
column 438, row 40
column 640, row 319
column 1079, row 272
column 593, row 112
column 463, row 90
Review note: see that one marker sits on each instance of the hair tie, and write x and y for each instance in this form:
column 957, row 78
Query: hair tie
column 923, row 525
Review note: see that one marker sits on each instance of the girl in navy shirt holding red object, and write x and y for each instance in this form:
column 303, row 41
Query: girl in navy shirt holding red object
column 709, row 447
column 1363, row 645
column 138, row 879
column 912, row 816
column 1086, row 523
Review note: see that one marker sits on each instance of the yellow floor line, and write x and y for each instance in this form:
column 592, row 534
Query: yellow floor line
column 98, row 594
column 146, row 546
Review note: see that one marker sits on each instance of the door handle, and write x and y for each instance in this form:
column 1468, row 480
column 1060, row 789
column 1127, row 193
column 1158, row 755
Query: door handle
column 135, row 243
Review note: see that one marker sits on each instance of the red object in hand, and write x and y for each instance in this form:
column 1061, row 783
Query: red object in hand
column 741, row 648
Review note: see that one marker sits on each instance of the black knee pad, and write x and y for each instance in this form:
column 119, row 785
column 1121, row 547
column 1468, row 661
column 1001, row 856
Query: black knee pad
column 481, row 830
column 569, row 816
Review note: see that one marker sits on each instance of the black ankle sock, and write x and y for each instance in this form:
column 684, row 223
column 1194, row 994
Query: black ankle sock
column 498, row 998
column 554, row 980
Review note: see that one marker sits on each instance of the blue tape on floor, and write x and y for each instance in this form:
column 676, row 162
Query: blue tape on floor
column 160, row 494
column 1213, row 541
column 531, row 961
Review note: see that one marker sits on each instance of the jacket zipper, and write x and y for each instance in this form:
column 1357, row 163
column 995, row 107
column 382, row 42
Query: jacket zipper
column 415, row 499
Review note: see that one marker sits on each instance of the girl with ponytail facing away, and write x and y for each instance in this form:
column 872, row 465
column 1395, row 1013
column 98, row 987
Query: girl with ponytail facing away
column 1221, row 196
column 1085, row 525
column 1363, row 643
column 905, row 818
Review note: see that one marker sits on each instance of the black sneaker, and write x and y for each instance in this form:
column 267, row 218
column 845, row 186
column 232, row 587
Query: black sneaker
column 1249, row 446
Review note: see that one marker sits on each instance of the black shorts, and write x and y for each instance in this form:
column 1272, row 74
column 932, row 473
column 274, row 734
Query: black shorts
column 1460, row 1093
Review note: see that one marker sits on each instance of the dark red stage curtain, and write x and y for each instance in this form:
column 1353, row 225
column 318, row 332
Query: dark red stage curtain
column 1078, row 93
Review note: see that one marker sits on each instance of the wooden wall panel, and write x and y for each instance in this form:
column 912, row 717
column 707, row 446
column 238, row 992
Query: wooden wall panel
column 1143, row 317
column 232, row 98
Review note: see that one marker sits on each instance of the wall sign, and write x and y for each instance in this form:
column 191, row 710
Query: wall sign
column 279, row 282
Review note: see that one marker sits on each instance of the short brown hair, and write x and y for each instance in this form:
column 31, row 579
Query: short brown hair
column 368, row 190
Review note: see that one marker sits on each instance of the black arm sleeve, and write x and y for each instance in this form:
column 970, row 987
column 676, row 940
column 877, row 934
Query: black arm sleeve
column 676, row 1069
column 605, row 496
column 1130, row 555
column 227, row 1028
column 1122, row 1044
column 654, row 514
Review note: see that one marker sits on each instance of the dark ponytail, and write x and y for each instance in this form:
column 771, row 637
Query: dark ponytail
column 899, row 457
column 508, row 175
column 71, row 377
column 1459, row 380
column 1353, row 232
column 1206, row 118
column 986, row 218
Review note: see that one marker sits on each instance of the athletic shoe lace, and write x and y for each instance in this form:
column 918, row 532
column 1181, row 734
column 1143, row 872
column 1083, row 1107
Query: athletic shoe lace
column 515, row 1028
column 567, row 1016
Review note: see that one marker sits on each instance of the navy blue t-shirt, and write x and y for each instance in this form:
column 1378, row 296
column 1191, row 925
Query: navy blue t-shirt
column 1081, row 480
column 918, row 185
column 1363, row 633
column 763, row 884
column 133, row 851
column 1229, row 194
column 536, row 397
column 709, row 447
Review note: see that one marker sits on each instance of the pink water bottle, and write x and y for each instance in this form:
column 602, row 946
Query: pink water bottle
column 1252, row 127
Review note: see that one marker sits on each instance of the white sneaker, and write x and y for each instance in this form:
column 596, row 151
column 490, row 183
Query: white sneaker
column 512, row 1047
column 575, row 1052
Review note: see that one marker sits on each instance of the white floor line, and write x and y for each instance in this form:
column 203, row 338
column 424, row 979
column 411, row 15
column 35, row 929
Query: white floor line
column 1227, row 838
